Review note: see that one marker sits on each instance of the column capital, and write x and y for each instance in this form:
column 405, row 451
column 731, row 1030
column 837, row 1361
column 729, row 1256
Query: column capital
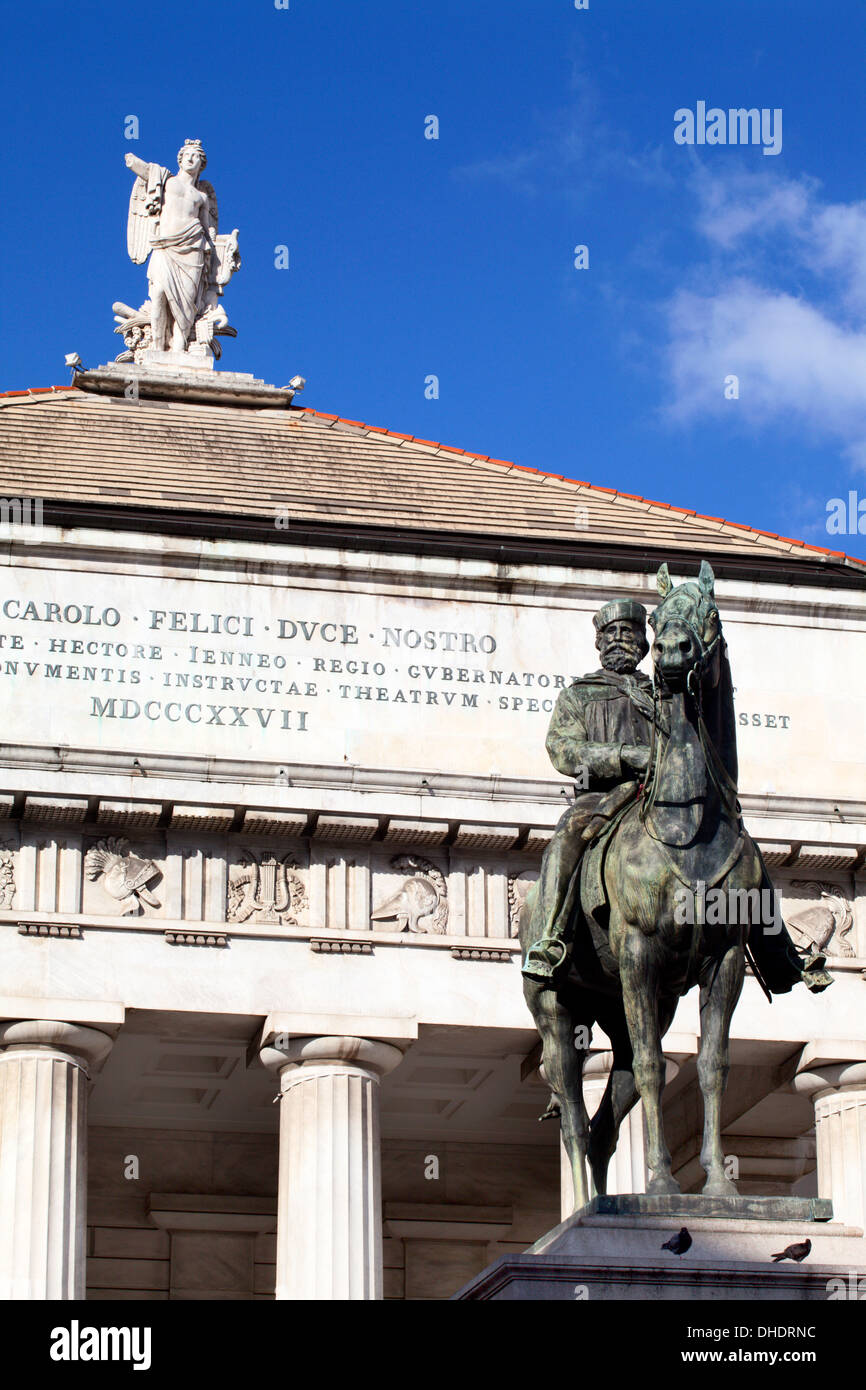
column 598, row 1066
column 828, row 1066
column 370, row 1056
column 86, row 1047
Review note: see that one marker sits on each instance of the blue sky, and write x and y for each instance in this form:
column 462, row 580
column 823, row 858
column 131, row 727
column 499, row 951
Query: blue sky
column 454, row 257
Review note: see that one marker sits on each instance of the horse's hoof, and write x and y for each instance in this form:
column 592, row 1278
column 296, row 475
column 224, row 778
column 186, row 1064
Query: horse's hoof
column 721, row 1186
column 663, row 1185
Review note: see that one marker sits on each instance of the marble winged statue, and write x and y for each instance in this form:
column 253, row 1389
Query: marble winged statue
column 173, row 220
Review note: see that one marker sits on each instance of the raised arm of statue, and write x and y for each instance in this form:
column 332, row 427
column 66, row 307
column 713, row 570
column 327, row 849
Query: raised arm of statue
column 138, row 166
column 145, row 202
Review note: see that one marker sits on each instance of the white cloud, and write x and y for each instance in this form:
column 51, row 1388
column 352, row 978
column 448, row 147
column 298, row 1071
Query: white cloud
column 744, row 203
column 800, row 357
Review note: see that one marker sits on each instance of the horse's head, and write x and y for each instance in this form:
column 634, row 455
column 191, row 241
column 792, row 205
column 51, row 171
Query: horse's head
column 687, row 631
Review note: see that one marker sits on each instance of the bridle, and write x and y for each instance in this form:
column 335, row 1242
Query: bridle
column 718, row 774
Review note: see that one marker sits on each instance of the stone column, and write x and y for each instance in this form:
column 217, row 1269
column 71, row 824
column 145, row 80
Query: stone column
column 838, row 1090
column 43, row 1156
column 329, row 1222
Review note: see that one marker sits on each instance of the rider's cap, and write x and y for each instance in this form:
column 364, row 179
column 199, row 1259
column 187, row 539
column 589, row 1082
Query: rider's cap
column 621, row 609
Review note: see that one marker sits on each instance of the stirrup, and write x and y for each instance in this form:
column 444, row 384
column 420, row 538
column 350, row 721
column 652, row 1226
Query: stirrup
column 536, row 963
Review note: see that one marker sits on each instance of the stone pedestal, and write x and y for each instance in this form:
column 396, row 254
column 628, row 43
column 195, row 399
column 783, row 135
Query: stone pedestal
column 197, row 357
column 329, row 1225
column 43, row 1156
column 612, row 1250
column 838, row 1090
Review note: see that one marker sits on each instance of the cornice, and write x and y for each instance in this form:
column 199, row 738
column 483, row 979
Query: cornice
column 236, row 786
column 822, row 570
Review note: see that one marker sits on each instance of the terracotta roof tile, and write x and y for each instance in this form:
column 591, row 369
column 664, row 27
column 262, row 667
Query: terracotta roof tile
column 71, row 444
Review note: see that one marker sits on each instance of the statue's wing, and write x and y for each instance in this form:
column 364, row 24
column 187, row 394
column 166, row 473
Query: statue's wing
column 139, row 225
column 213, row 212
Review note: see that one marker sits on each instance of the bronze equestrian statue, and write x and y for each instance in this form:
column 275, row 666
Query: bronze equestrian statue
column 604, row 933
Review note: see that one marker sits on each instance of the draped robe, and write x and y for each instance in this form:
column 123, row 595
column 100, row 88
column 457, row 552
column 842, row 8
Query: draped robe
column 177, row 265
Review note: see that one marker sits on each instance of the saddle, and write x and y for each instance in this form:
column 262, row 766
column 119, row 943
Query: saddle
column 597, row 832
column 775, row 960
column 587, row 884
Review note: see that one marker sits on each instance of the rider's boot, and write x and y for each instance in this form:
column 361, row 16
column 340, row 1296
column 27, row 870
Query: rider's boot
column 813, row 974
column 547, row 958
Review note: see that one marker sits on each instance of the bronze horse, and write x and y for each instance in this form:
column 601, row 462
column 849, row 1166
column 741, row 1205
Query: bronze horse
column 632, row 958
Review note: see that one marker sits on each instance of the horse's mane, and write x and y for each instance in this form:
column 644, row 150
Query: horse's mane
column 719, row 717
column 689, row 601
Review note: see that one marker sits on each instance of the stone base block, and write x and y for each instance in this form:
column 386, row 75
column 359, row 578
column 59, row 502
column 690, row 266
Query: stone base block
column 176, row 378
column 197, row 358
column 685, row 1205
column 612, row 1250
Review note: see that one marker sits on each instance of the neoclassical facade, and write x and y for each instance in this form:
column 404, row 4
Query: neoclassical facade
column 273, row 787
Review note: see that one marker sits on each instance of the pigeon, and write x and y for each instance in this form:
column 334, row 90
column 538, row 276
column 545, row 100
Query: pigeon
column 678, row 1244
column 794, row 1252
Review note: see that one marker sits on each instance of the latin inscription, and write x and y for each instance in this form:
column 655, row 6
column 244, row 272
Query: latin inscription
column 248, row 672
column 764, row 721
column 195, row 666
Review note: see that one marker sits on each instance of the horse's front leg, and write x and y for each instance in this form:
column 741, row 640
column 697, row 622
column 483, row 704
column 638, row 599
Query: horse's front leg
column 640, row 990
column 719, row 994
column 621, row 1092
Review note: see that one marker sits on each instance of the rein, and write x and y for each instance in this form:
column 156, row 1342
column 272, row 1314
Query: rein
column 717, row 773
column 719, row 776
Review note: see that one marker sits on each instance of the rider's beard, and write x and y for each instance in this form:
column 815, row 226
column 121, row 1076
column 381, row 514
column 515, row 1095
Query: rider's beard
column 621, row 658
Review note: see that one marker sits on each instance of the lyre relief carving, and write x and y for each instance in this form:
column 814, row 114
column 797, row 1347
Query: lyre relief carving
column 263, row 888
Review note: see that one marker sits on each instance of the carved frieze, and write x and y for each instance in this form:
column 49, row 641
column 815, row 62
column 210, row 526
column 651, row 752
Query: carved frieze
column 265, row 888
column 420, row 904
column 826, row 925
column 122, row 875
column 7, row 876
column 519, row 885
